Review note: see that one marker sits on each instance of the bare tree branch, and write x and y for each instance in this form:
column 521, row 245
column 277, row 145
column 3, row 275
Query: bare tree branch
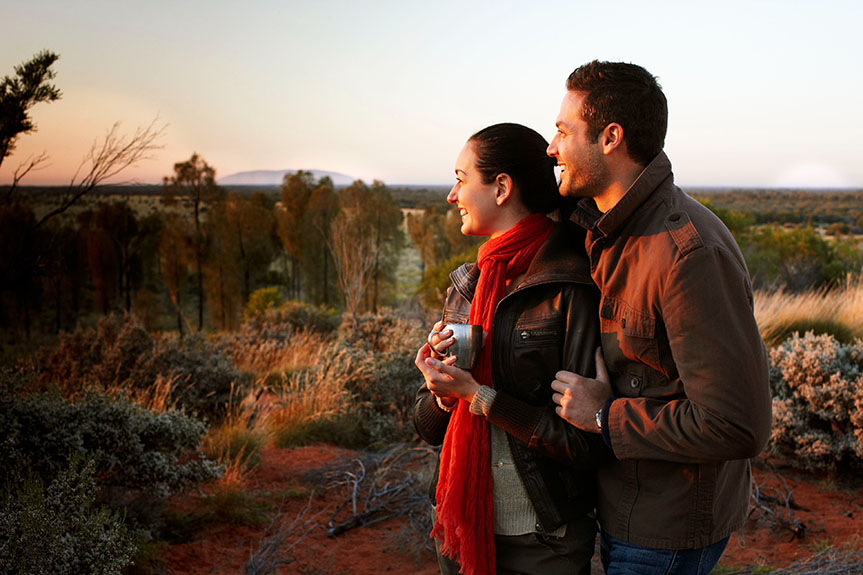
column 116, row 153
column 28, row 165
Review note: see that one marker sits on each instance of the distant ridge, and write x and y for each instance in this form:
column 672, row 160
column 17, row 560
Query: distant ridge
column 275, row 178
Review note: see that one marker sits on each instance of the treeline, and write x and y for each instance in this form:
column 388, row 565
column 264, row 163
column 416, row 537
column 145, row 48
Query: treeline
column 792, row 257
column 200, row 257
column 791, row 206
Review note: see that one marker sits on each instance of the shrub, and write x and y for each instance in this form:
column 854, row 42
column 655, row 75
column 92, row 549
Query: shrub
column 120, row 353
column 261, row 300
column 58, row 530
column 797, row 259
column 280, row 340
column 817, row 386
column 432, row 289
column 360, row 390
column 131, row 447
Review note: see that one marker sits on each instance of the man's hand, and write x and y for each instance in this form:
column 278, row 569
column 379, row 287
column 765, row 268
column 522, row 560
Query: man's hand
column 443, row 379
column 579, row 398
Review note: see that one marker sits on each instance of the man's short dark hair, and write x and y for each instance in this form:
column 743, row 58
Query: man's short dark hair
column 628, row 95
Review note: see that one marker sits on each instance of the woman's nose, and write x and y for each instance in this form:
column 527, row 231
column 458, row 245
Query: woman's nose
column 452, row 196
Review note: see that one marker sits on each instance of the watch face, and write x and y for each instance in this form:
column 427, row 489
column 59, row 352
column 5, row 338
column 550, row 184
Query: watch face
column 599, row 419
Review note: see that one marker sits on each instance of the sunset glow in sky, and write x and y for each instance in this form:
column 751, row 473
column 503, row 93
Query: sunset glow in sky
column 761, row 94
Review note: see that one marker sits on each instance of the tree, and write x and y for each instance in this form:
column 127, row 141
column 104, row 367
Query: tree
column 106, row 159
column 194, row 180
column 174, row 250
column 290, row 215
column 362, row 234
column 222, row 267
column 114, row 154
column 385, row 221
column 18, row 94
column 252, row 224
column 323, row 205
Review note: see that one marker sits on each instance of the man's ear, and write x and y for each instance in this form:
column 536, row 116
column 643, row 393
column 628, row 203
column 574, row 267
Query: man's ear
column 611, row 138
column 504, row 188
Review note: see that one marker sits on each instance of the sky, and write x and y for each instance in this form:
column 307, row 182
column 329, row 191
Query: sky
column 760, row 93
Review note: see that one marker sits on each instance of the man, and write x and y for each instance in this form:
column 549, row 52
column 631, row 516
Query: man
column 685, row 400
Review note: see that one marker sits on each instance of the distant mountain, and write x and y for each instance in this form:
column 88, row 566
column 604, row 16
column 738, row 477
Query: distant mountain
column 275, row 178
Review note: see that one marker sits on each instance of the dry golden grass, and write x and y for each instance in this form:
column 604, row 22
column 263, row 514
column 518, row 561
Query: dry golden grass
column 838, row 311
column 316, row 393
column 237, row 441
column 270, row 357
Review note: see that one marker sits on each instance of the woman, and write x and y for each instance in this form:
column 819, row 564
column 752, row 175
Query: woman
column 531, row 510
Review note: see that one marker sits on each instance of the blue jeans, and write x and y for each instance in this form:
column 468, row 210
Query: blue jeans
column 622, row 558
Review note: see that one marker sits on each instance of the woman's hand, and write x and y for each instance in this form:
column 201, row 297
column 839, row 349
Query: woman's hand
column 440, row 340
column 443, row 379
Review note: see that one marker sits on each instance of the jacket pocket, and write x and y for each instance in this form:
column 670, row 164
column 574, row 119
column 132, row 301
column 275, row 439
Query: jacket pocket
column 537, row 345
column 628, row 335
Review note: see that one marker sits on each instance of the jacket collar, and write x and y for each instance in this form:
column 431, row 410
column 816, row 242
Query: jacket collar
column 588, row 216
column 560, row 259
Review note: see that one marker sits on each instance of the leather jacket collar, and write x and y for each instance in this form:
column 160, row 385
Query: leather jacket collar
column 554, row 262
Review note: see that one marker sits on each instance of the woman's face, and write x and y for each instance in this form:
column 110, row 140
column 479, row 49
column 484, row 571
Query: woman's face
column 476, row 200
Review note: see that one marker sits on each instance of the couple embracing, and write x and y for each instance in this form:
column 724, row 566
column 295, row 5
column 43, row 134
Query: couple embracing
column 621, row 378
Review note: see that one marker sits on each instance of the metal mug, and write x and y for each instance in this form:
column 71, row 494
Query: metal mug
column 467, row 344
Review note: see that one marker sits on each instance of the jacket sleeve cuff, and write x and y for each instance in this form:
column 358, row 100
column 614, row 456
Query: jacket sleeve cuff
column 430, row 420
column 515, row 417
column 483, row 400
column 606, row 432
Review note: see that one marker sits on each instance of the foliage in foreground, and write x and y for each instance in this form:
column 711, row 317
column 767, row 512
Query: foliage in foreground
column 132, row 448
column 817, row 386
column 57, row 529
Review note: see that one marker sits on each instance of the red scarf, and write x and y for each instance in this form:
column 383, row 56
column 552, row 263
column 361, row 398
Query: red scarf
column 465, row 504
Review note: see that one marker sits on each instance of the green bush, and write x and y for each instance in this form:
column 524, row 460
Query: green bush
column 385, row 392
column 57, row 529
column 797, row 259
column 132, row 448
column 817, row 386
column 262, row 300
column 432, row 289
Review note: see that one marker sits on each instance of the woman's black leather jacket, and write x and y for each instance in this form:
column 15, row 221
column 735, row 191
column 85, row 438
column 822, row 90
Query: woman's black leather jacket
column 547, row 323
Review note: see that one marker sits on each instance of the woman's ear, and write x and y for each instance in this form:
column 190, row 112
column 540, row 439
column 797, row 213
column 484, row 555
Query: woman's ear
column 504, row 188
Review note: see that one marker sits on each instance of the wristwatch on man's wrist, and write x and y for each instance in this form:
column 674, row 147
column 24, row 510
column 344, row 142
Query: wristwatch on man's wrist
column 599, row 419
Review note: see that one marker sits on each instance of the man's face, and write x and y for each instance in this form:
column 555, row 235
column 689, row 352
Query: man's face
column 584, row 172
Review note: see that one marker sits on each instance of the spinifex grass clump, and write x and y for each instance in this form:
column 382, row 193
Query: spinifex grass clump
column 837, row 311
column 817, row 386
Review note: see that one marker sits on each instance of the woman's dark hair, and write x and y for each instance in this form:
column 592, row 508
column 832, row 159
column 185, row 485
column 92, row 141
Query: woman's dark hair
column 520, row 152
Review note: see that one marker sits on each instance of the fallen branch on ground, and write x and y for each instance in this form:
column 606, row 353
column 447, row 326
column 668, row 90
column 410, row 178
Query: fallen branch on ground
column 381, row 487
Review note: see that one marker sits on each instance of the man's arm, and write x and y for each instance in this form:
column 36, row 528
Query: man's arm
column 722, row 365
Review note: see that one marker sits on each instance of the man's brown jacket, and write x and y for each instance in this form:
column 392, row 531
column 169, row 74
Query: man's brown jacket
column 688, row 366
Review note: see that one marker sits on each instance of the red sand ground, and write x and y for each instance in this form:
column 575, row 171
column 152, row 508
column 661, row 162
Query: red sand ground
column 831, row 514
